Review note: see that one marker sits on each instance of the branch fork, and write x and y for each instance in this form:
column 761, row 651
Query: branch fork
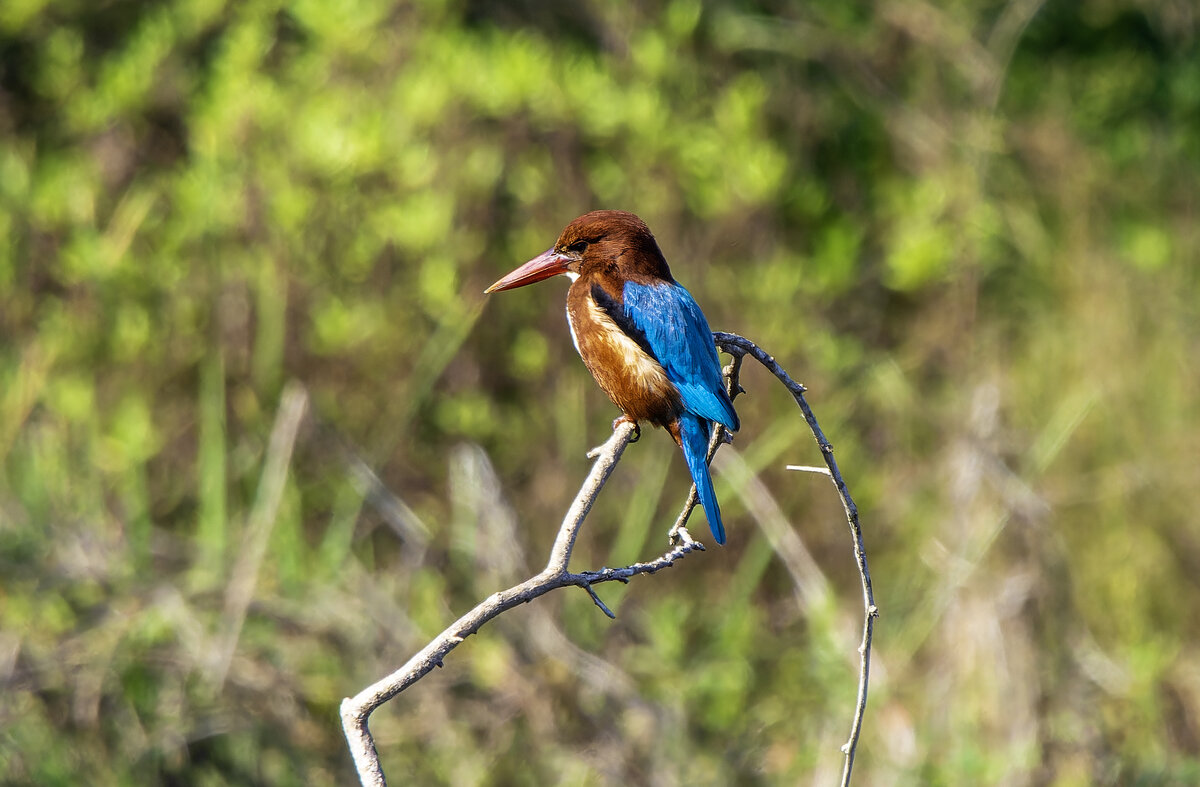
column 356, row 711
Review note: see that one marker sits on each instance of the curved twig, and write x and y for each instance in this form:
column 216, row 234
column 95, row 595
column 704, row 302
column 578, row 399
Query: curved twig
column 738, row 347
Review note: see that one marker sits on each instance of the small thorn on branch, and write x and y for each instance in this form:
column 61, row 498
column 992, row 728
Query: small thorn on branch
column 603, row 608
column 810, row 469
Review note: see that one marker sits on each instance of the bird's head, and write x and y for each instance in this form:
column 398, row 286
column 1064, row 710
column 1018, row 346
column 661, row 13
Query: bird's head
column 611, row 242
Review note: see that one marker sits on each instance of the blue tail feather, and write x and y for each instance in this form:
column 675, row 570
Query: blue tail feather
column 694, row 433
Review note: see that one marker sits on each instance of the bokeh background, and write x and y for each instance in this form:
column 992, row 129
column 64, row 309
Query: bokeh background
column 969, row 227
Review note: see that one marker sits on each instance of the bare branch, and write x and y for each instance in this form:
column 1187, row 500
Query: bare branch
column 356, row 711
column 738, row 347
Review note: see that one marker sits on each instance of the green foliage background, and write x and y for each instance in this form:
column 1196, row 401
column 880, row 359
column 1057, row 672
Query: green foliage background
column 969, row 226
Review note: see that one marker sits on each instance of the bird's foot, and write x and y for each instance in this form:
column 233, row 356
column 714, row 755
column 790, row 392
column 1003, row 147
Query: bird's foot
column 637, row 430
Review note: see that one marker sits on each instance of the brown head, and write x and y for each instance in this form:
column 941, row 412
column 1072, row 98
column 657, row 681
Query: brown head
column 604, row 242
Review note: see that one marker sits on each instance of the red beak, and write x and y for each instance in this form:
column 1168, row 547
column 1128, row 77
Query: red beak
column 547, row 264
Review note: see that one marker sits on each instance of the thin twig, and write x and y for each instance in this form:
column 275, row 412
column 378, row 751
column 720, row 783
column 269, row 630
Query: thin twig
column 720, row 435
column 809, row 469
column 812, row 587
column 738, row 346
column 596, row 600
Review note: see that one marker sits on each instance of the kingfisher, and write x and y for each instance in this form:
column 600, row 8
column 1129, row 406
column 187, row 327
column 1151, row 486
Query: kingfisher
column 640, row 334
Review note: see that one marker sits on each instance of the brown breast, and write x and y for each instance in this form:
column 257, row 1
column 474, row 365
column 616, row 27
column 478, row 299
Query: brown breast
column 632, row 378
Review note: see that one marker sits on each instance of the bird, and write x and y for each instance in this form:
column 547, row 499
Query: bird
column 640, row 334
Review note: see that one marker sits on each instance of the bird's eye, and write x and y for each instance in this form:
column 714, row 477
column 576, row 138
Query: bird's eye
column 579, row 247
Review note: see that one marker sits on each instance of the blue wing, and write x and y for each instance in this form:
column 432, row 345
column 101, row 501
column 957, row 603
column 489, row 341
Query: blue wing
column 679, row 338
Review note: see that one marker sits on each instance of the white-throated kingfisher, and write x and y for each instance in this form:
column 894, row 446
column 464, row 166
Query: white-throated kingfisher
column 640, row 334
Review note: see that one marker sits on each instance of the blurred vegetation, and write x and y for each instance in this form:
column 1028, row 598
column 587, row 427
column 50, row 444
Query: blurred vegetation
column 970, row 227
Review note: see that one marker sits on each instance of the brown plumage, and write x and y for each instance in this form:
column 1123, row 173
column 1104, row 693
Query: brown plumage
column 633, row 379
